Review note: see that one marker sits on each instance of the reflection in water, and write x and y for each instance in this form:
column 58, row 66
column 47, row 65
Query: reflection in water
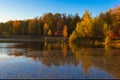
column 104, row 59
column 107, row 59
column 52, row 54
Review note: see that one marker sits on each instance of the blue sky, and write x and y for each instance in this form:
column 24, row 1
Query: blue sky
column 26, row 9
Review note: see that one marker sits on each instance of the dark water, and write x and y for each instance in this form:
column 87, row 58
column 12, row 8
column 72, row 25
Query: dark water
column 58, row 61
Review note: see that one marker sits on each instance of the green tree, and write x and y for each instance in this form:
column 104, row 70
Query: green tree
column 1, row 27
column 8, row 26
column 24, row 27
column 33, row 27
column 73, row 23
column 69, row 19
column 97, row 29
column 40, row 27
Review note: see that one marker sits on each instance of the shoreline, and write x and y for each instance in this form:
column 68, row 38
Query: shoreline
column 18, row 39
column 39, row 39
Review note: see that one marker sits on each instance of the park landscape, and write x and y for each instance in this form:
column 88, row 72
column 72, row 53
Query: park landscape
column 104, row 27
column 61, row 46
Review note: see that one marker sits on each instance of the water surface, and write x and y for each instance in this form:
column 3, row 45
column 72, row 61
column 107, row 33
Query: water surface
column 38, row 60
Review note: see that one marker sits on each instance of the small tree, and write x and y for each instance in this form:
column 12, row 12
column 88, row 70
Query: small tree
column 45, row 27
column 65, row 32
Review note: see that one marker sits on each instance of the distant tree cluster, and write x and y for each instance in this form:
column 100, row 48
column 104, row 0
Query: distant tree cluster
column 46, row 25
column 106, row 24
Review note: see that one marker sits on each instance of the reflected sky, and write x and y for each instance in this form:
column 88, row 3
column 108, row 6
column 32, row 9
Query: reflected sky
column 56, row 61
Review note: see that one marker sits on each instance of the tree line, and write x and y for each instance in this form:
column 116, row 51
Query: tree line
column 106, row 24
column 47, row 25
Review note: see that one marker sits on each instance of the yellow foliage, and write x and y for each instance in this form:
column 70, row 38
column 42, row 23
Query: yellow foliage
column 107, row 40
column 84, row 28
column 45, row 27
column 72, row 36
column 49, row 32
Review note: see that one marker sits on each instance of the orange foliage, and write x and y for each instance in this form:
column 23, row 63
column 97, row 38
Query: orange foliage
column 16, row 23
column 64, row 48
column 65, row 33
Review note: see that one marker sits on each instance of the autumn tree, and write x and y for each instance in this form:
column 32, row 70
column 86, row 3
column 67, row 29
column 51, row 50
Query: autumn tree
column 50, row 20
column 59, row 27
column 33, row 27
column 115, row 12
column 84, row 28
column 46, row 28
column 16, row 29
column 106, row 29
column 49, row 32
column 53, row 25
column 65, row 31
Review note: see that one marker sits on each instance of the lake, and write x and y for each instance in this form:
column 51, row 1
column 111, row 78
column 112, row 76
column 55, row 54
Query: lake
column 38, row 60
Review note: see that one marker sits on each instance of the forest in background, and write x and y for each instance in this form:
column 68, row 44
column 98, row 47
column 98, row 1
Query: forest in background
column 62, row 25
